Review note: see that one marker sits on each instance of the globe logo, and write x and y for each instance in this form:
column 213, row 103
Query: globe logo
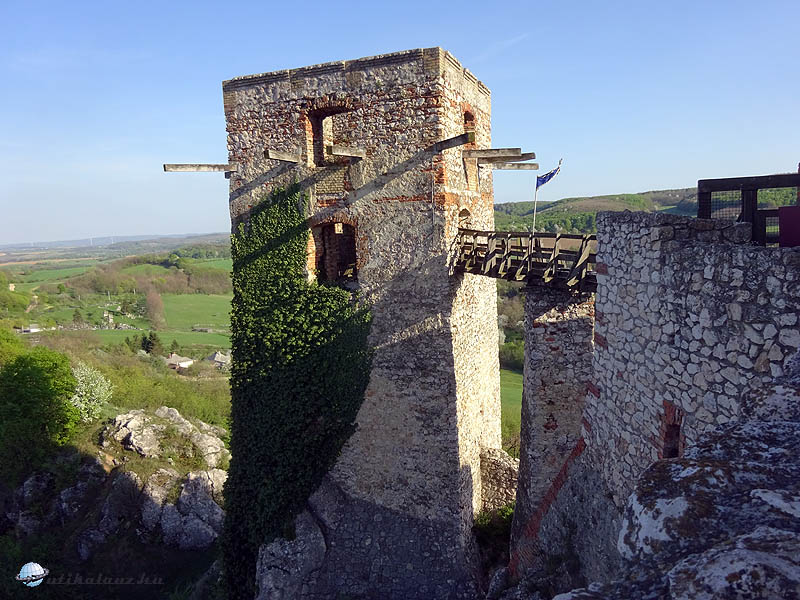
column 32, row 574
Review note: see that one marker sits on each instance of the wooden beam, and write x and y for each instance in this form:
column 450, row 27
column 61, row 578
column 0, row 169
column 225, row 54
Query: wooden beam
column 459, row 140
column 507, row 158
column 200, row 168
column 492, row 153
column 347, row 151
column 282, row 156
column 514, row 166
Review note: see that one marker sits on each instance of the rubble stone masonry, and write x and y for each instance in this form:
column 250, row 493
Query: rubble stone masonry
column 691, row 320
column 433, row 399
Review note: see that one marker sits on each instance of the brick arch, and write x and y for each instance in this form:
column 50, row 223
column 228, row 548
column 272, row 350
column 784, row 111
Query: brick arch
column 314, row 240
column 314, row 113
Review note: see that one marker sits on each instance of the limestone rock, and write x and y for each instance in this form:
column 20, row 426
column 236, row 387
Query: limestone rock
column 155, row 494
column 119, row 507
column 721, row 522
column 150, row 434
column 70, row 500
column 762, row 564
column 135, row 431
column 196, row 519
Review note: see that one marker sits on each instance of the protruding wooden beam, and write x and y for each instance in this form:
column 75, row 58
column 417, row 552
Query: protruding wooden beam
column 459, row 140
column 347, row 151
column 201, row 168
column 507, row 158
column 514, row 166
column 492, row 153
column 282, row 156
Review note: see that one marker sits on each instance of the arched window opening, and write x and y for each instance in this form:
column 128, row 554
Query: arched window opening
column 335, row 259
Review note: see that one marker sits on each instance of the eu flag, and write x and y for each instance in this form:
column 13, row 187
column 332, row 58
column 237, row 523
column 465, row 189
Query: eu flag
column 542, row 179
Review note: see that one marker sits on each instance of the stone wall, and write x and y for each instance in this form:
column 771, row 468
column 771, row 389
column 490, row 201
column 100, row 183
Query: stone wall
column 433, row 398
column 690, row 319
column 690, row 322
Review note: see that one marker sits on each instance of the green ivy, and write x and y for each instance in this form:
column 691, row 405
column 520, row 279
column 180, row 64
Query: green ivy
column 301, row 365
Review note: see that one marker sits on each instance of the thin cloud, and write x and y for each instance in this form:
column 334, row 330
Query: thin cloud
column 499, row 47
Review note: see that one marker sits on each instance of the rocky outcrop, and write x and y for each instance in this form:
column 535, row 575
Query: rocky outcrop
column 151, row 435
column 169, row 507
column 284, row 566
column 195, row 520
column 121, row 505
column 723, row 521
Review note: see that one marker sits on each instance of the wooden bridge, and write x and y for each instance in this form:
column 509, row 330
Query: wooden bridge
column 560, row 260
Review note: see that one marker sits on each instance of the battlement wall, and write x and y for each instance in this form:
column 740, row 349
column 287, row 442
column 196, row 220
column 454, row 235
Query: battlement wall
column 690, row 322
column 689, row 318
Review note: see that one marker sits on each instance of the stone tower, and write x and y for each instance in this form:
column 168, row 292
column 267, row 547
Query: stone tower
column 394, row 516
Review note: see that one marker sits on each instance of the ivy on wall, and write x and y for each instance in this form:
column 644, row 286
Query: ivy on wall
column 301, row 365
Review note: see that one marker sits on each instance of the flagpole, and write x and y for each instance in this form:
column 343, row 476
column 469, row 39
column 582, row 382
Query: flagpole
column 535, row 196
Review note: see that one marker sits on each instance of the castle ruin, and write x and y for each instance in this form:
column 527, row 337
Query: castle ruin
column 688, row 323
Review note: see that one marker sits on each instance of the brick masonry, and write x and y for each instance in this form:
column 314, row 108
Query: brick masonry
column 433, row 399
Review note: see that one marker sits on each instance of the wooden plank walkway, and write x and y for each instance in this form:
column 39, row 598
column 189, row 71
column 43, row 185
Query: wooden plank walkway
column 560, row 260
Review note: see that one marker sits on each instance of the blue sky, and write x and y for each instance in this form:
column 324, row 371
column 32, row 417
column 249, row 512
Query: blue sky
column 635, row 96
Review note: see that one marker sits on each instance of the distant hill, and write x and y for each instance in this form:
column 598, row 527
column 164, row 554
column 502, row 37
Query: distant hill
column 578, row 214
column 102, row 248
column 116, row 241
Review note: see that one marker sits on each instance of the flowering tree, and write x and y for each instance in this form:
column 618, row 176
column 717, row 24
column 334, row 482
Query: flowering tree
column 91, row 393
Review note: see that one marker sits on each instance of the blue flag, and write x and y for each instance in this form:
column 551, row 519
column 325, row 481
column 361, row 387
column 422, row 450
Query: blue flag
column 542, row 179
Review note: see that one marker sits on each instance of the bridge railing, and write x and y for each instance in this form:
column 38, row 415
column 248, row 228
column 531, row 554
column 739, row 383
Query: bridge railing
column 561, row 260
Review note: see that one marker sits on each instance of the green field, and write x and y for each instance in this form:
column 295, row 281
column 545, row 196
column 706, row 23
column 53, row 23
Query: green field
column 184, row 311
column 511, row 401
column 184, row 338
column 57, row 273
column 223, row 264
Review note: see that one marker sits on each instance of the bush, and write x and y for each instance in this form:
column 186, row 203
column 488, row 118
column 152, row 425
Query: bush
column 93, row 391
column 35, row 411
column 512, row 355
column 10, row 346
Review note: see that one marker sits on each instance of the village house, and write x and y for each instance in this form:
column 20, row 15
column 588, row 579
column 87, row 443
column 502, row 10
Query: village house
column 177, row 362
column 220, row 360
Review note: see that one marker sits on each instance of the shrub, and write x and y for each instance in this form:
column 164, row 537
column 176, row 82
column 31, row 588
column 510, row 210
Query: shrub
column 10, row 346
column 35, row 411
column 512, row 355
column 93, row 391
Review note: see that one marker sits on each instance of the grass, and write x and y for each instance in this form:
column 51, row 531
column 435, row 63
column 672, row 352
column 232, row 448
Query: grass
column 223, row 264
column 511, row 402
column 184, row 311
column 54, row 274
column 217, row 341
